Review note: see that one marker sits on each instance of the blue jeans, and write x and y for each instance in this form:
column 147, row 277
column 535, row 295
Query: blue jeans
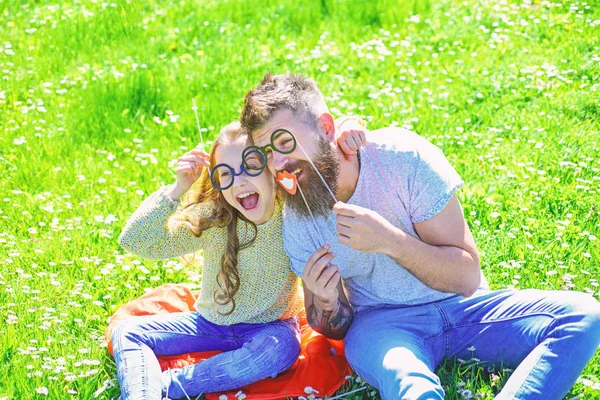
column 250, row 352
column 547, row 336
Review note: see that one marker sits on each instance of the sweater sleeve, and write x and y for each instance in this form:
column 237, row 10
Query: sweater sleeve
column 153, row 232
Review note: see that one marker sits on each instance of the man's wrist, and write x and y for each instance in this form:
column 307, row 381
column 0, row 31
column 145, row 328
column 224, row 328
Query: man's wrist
column 326, row 305
column 394, row 243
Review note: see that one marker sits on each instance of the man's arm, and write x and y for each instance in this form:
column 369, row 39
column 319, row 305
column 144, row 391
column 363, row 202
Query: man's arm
column 331, row 321
column 327, row 308
column 446, row 259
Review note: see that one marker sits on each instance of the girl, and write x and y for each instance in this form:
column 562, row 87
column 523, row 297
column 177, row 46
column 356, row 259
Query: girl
column 249, row 297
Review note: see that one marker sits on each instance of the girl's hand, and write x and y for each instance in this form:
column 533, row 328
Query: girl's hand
column 189, row 168
column 352, row 136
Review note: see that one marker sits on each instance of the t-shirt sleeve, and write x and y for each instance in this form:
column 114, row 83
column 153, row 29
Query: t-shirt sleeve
column 298, row 247
column 433, row 183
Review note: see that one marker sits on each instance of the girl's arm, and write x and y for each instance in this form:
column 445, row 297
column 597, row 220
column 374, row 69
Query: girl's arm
column 152, row 231
column 155, row 232
column 350, row 133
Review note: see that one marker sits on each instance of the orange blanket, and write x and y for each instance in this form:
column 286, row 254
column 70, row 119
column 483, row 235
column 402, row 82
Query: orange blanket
column 321, row 364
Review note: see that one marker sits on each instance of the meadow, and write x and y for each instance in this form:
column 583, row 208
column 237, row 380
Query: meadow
column 95, row 104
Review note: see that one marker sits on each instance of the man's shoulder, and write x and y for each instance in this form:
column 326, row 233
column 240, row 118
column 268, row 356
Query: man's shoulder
column 397, row 139
column 397, row 148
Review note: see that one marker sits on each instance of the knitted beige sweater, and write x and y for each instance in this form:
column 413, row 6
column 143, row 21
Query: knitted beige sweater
column 269, row 290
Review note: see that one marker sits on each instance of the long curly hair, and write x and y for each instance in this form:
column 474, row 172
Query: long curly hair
column 222, row 215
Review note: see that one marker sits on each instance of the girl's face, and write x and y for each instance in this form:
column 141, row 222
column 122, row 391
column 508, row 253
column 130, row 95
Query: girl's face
column 253, row 196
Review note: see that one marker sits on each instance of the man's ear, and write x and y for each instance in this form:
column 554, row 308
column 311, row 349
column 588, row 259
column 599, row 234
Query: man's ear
column 328, row 124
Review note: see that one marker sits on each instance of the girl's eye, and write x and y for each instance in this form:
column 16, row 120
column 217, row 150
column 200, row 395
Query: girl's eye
column 225, row 174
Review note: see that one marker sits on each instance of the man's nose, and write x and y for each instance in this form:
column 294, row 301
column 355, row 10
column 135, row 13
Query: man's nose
column 278, row 160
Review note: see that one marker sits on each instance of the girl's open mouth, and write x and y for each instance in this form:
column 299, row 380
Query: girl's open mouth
column 248, row 200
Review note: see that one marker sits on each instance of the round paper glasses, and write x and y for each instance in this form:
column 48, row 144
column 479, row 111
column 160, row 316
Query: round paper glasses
column 223, row 175
column 254, row 159
column 282, row 141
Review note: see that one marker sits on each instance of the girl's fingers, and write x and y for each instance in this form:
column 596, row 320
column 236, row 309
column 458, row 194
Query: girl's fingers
column 188, row 164
column 186, row 158
column 190, row 167
column 189, row 157
column 199, row 152
column 193, row 158
column 202, row 164
column 187, row 171
column 352, row 143
column 205, row 162
column 344, row 146
column 363, row 137
column 357, row 138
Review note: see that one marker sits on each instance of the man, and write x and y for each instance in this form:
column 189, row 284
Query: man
column 399, row 243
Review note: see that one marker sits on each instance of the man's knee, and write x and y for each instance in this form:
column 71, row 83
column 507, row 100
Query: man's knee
column 581, row 316
column 409, row 377
column 589, row 307
column 580, row 303
column 402, row 362
column 397, row 372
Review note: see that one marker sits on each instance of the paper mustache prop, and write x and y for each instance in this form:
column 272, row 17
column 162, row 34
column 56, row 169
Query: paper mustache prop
column 287, row 181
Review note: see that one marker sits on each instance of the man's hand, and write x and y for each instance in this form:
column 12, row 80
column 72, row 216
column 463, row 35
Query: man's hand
column 327, row 308
column 363, row 229
column 322, row 280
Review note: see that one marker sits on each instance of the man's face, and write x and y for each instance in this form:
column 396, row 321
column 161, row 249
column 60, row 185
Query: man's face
column 313, row 141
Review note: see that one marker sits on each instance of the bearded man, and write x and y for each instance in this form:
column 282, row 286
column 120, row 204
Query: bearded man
column 398, row 275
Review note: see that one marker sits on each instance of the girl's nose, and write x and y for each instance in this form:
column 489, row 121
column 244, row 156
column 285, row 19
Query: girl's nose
column 239, row 180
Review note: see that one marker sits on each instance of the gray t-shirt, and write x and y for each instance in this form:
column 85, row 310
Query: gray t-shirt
column 407, row 180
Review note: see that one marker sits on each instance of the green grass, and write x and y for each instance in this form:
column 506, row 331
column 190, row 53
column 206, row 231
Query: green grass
column 89, row 96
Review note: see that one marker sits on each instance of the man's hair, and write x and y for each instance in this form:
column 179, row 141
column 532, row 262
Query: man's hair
column 275, row 92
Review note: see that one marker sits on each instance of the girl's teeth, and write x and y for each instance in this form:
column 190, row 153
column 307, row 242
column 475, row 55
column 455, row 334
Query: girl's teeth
column 241, row 196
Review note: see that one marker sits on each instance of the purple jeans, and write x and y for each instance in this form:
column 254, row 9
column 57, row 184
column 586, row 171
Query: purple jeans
column 250, row 352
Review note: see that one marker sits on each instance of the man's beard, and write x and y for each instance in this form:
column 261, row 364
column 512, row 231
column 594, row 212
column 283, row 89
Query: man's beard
column 317, row 196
